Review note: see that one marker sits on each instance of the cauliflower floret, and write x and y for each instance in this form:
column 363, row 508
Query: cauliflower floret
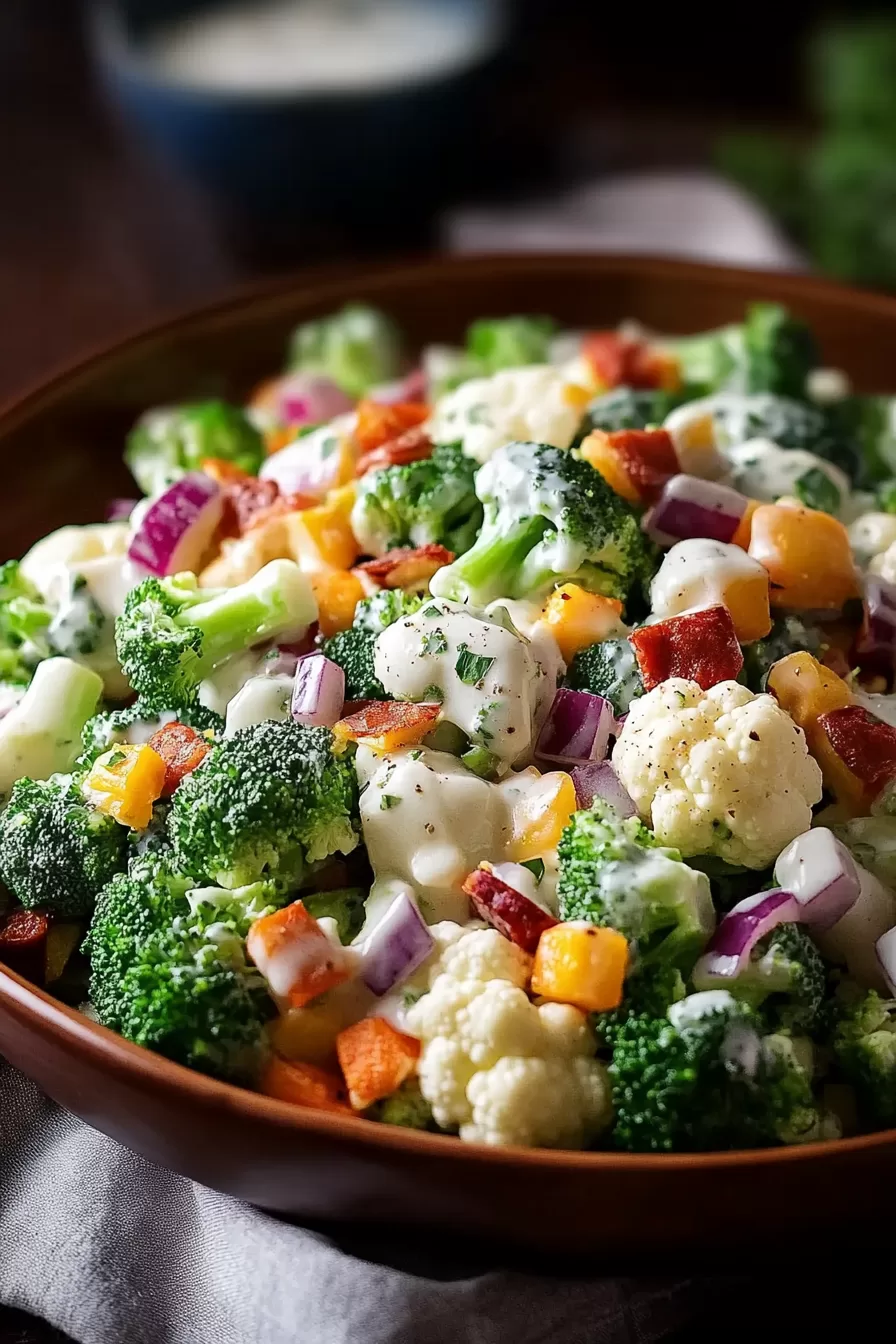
column 871, row 536
column 722, row 771
column 533, row 405
column 885, row 565
column 496, row 1066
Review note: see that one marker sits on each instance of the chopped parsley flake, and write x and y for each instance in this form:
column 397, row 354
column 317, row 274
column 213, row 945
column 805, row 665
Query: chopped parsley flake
column 471, row 668
column 389, row 800
column 434, row 643
column 432, row 612
column 536, row 868
column 432, row 695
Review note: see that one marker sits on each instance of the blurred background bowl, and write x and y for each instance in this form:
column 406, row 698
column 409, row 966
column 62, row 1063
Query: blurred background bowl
column 382, row 151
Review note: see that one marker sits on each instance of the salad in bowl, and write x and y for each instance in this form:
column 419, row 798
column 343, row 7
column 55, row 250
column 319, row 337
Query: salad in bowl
column 500, row 742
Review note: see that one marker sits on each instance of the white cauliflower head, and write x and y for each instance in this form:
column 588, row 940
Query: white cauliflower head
column 722, row 771
column 496, row 1066
column 536, row 404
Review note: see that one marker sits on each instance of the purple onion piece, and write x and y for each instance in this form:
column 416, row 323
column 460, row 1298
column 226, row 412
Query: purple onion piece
column 739, row 932
column 885, row 947
column 319, row 691
column 310, row 399
column 822, row 875
column 301, row 468
column 120, row 510
column 177, row 528
column 577, row 728
column 878, row 634
column 598, row 779
column 410, row 388
column 397, row 946
column 280, row 663
column 691, row 507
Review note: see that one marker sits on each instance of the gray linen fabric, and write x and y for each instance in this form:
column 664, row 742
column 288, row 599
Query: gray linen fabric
column 113, row 1250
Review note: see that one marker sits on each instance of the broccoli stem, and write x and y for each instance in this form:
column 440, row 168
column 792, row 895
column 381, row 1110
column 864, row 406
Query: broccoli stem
column 42, row 735
column 494, row 560
column 276, row 601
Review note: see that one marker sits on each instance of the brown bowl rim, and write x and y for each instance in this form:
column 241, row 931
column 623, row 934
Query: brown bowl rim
column 116, row 1053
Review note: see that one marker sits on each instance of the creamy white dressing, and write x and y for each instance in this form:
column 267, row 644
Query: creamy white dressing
column 434, row 648
column 217, row 691
column 696, row 573
column 528, row 404
column 689, row 1011
column 762, row 470
column 258, row 700
column 286, row 963
column 322, row 46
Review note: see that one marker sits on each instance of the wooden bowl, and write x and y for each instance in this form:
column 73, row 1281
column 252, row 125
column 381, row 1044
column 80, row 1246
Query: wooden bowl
column 61, row 447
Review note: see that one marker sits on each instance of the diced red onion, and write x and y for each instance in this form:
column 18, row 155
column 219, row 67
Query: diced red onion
column 319, row 691
column 177, row 528
column 739, row 932
column 885, row 947
column 691, row 507
column 309, row 399
column 598, row 779
column 120, row 510
column 822, row 876
column 878, row 634
column 397, row 946
column 302, row 469
column 410, row 388
column 577, row 728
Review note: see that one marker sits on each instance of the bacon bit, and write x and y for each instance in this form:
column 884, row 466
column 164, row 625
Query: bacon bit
column 378, row 424
column 509, row 911
column 23, row 943
column 618, row 361
column 700, row 646
column 406, row 567
column 304, row 1085
column 375, row 1059
column 412, row 446
column 387, row 724
column 864, row 743
column 222, row 471
column 182, row 749
column 648, row 457
column 251, row 502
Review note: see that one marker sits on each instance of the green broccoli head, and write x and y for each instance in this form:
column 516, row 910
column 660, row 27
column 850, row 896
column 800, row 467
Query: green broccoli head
column 868, row 424
column 609, row 669
column 172, row 634
column 135, row 723
column 56, row 852
column 407, row 1108
column 352, row 649
column 166, row 444
column 357, row 347
column 785, row 978
column 612, row 872
column 789, row 634
column 549, row 518
column 24, row 625
column 500, row 343
column 702, row 1078
column 788, row 423
column 864, row 1045
column 432, row 501
column 265, row 804
column 650, row 990
column 628, row 408
column 771, row 351
column 346, row 906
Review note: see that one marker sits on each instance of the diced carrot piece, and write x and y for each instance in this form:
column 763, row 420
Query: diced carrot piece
column 581, row 964
column 322, row 536
column 510, row 912
column 222, row 471
column 375, row 1060
column 747, row 599
column 412, row 446
column 807, row 555
column 539, row 817
column 406, row 566
column 304, row 1085
column 700, row 646
column 648, row 459
column 597, row 450
column 866, row 747
column 385, row 725
column 23, row 943
column 125, row 782
column 577, row 618
column 338, row 592
column 378, row 423
column 295, row 956
column 182, row 749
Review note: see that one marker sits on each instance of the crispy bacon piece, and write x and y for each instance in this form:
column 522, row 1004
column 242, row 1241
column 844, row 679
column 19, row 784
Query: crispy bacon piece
column 406, row 567
column 182, row 749
column 507, row 910
column 700, row 646
column 412, row 446
column 378, row 423
column 865, row 744
column 387, row 724
column 619, row 361
column 23, row 943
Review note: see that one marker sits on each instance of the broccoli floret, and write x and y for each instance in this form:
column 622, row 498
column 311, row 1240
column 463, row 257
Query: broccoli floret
column 788, row 423
column 649, row 990
column 494, row 344
column 628, row 408
column 357, row 347
column 789, row 634
column 730, row 882
column 24, row 625
column 346, row 907
column 41, row 736
column 56, row 852
column 702, row 1078
column 173, row 634
column 423, row 502
column 613, row 872
column 134, row 723
column 868, row 424
column 549, row 518
column 771, row 351
column 865, row 1049
column 407, row 1107
column 609, row 669
column 352, row 649
column 785, row 978
column 166, row 444
column 264, row 804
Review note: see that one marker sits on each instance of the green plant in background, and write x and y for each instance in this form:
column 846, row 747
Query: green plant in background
column 835, row 194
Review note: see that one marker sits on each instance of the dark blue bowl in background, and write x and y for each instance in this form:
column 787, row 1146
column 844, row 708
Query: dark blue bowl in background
column 366, row 162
